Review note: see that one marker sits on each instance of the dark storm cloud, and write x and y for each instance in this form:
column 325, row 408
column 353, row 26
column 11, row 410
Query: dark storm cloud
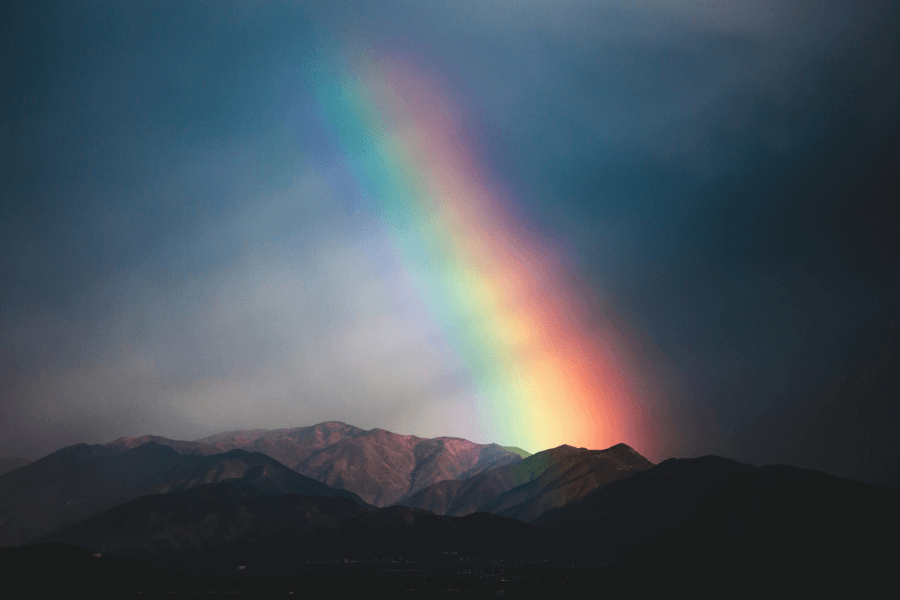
column 722, row 173
column 181, row 252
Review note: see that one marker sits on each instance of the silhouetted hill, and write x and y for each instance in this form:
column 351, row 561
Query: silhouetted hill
column 404, row 531
column 232, row 519
column 11, row 464
column 231, row 516
column 80, row 481
column 378, row 465
column 711, row 508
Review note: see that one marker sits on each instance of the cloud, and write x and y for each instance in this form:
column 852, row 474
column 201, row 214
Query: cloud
column 184, row 251
column 318, row 325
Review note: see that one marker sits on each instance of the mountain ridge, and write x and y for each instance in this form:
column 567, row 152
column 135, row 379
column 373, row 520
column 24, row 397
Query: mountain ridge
column 711, row 508
column 525, row 489
column 229, row 518
column 77, row 482
column 378, row 465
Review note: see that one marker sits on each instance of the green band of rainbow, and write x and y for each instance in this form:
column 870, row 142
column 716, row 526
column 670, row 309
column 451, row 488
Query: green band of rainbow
column 503, row 300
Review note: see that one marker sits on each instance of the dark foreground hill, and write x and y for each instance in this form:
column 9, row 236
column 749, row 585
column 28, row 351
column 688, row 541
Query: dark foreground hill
column 78, row 482
column 708, row 527
column 11, row 464
column 229, row 517
column 232, row 519
column 708, row 510
column 378, row 465
column 538, row 483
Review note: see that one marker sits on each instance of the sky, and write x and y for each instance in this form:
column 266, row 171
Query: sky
column 663, row 223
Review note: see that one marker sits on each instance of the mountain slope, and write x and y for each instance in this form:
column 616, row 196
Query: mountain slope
column 228, row 516
column 378, row 465
column 569, row 478
column 692, row 510
column 11, row 464
column 231, row 519
column 382, row 466
column 465, row 496
column 80, row 481
column 524, row 490
column 287, row 446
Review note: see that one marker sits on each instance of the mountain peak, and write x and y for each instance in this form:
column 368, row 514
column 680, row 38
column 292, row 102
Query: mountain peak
column 379, row 465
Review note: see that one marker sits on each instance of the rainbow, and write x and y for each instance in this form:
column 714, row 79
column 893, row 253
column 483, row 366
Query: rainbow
column 545, row 372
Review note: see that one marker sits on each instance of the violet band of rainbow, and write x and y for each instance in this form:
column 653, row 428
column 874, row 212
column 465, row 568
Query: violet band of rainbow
column 543, row 372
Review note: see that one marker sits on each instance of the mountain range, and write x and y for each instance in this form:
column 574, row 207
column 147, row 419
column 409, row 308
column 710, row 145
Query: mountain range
column 80, row 481
column 526, row 489
column 379, row 466
column 334, row 490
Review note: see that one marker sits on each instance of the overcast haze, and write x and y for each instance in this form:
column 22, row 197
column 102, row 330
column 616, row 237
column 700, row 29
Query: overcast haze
column 183, row 251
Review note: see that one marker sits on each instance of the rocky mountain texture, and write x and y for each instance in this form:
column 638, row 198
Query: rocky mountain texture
column 378, row 465
column 711, row 508
column 80, row 481
column 465, row 496
column 525, row 490
column 382, row 467
column 570, row 477
column 227, row 519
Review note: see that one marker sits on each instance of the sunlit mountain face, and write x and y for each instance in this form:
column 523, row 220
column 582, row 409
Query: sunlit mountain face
column 378, row 465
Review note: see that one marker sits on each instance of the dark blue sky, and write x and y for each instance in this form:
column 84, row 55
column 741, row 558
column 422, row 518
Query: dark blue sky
column 177, row 236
